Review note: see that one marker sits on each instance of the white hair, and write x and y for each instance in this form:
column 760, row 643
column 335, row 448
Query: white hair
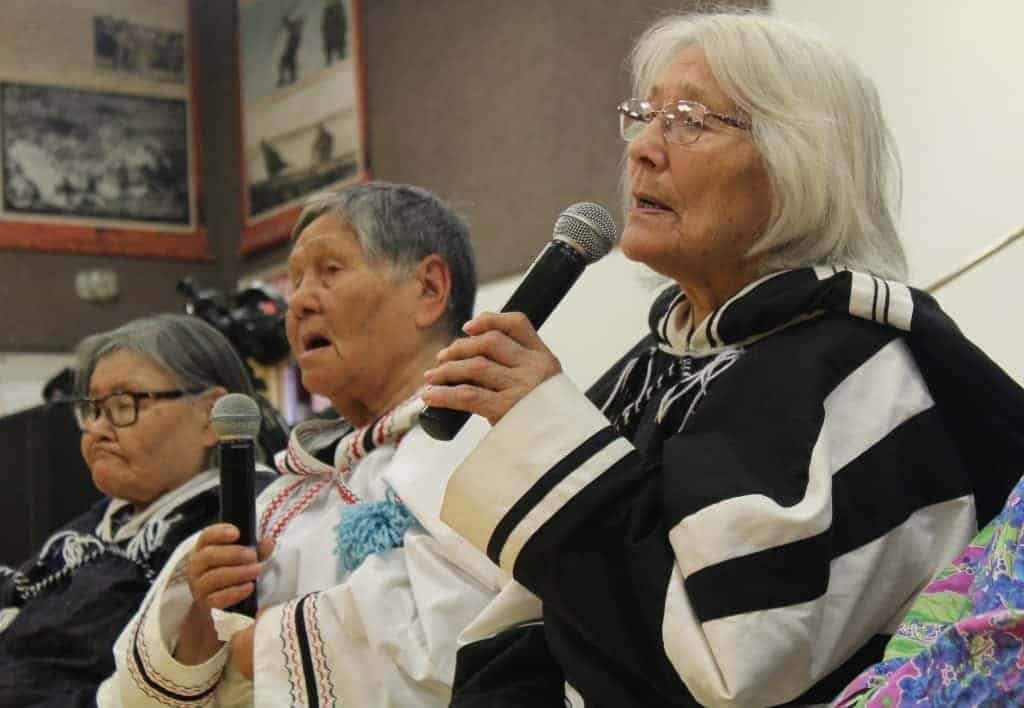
column 817, row 123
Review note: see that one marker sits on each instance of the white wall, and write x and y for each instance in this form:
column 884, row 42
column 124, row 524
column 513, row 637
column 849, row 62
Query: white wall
column 22, row 377
column 603, row 315
column 951, row 79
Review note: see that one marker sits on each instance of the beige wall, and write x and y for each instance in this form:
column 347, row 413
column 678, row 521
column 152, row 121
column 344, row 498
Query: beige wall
column 949, row 75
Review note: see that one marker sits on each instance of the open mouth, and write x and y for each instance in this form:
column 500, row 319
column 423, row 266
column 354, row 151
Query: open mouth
column 313, row 342
column 648, row 203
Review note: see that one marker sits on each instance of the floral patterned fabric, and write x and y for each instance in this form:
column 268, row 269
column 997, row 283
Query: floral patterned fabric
column 962, row 643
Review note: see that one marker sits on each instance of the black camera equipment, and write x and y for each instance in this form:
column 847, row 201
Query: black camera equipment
column 253, row 321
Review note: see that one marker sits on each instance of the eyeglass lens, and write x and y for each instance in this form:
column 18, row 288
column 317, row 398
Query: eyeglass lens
column 682, row 122
column 120, row 410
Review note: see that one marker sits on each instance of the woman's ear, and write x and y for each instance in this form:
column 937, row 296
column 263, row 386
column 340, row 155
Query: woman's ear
column 435, row 285
column 205, row 403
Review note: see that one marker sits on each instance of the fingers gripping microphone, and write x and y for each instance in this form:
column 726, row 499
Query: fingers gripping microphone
column 236, row 418
column 583, row 233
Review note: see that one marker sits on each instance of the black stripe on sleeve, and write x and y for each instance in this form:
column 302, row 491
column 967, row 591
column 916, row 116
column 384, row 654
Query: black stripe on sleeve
column 915, row 466
column 196, row 698
column 307, row 656
column 785, row 575
column 799, row 572
column 885, row 314
column 874, row 299
column 566, row 466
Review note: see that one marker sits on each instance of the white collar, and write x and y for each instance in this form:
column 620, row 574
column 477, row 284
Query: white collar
column 159, row 509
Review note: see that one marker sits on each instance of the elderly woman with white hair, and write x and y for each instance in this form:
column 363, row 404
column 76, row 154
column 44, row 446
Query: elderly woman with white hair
column 744, row 504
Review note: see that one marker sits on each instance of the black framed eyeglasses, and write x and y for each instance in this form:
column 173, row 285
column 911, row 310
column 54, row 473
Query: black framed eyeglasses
column 121, row 407
column 682, row 122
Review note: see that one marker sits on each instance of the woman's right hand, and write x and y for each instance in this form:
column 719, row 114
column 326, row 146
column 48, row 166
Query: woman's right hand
column 220, row 574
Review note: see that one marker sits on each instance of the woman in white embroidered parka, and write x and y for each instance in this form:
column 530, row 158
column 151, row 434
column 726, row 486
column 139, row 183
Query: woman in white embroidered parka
column 364, row 592
column 740, row 509
column 145, row 391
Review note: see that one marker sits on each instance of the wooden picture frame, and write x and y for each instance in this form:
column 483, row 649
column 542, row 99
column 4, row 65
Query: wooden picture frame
column 92, row 180
column 302, row 111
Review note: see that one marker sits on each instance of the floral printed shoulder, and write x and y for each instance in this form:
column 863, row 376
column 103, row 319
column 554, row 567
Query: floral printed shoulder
column 962, row 643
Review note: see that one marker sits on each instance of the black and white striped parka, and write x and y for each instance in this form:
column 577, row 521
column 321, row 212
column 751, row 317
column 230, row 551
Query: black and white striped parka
column 742, row 508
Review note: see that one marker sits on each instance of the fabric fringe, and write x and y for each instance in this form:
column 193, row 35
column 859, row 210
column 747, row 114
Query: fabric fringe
column 678, row 375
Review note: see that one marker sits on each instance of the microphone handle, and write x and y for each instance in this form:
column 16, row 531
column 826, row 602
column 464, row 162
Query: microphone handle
column 556, row 269
column 238, row 500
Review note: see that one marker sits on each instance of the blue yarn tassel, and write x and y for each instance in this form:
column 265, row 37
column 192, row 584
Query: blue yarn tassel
column 370, row 527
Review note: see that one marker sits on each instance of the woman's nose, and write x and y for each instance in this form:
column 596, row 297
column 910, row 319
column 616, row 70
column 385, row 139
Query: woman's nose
column 100, row 426
column 649, row 146
column 304, row 300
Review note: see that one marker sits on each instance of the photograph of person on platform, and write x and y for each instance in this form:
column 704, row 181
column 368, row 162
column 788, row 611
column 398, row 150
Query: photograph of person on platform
column 301, row 98
column 738, row 512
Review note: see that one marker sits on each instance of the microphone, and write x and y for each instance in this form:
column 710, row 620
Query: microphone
column 236, row 418
column 583, row 233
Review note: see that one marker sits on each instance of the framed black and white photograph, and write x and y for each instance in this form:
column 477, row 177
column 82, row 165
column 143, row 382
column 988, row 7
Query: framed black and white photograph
column 148, row 52
column 98, row 129
column 76, row 153
column 301, row 106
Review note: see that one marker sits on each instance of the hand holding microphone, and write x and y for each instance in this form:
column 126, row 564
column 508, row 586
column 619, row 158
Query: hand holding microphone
column 503, row 359
column 223, row 566
column 236, row 418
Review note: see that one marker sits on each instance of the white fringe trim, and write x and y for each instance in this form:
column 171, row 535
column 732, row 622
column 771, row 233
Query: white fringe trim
column 703, row 378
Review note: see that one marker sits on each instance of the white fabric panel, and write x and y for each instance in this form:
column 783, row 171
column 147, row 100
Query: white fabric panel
column 419, row 473
column 764, row 657
column 889, row 383
column 513, row 606
column 862, row 296
column 515, row 454
column 901, row 305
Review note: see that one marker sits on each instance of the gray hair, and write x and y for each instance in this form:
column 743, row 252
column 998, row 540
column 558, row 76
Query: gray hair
column 400, row 225
column 818, row 125
column 192, row 351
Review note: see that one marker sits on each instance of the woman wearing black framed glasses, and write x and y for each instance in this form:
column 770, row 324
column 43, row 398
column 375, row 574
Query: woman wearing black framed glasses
column 145, row 391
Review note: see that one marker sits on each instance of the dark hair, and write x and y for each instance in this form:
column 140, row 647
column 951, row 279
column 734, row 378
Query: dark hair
column 401, row 225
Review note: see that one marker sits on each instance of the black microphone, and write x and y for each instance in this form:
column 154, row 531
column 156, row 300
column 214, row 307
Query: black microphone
column 583, row 233
column 236, row 418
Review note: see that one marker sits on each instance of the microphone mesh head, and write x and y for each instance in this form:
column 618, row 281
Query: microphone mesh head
column 235, row 416
column 589, row 228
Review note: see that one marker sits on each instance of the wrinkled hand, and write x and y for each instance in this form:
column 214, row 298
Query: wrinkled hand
column 492, row 369
column 220, row 574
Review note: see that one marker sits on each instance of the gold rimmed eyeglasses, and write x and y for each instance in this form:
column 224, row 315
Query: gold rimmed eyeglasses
column 682, row 122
